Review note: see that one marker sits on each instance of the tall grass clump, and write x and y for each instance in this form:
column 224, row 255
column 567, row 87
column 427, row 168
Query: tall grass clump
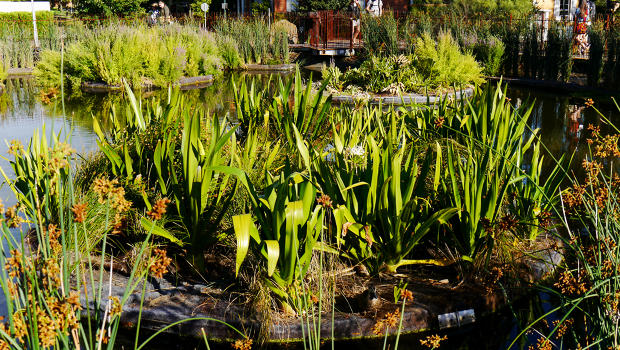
column 612, row 65
column 380, row 34
column 256, row 41
column 143, row 56
column 558, row 52
column 597, row 36
column 490, row 52
column 531, row 52
column 511, row 34
column 3, row 72
column 586, row 287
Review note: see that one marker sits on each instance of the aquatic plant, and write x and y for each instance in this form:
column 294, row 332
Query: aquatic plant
column 136, row 53
column 41, row 173
column 480, row 172
column 197, row 186
column 382, row 212
column 284, row 227
column 444, row 64
column 586, row 284
column 596, row 35
column 558, row 52
column 256, row 41
column 3, row 72
column 305, row 109
column 380, row 34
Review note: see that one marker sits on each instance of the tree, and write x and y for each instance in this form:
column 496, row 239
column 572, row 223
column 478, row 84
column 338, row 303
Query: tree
column 316, row 5
column 110, row 7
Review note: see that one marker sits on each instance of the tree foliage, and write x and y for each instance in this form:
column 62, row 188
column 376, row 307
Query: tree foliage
column 110, row 7
column 316, row 5
column 513, row 7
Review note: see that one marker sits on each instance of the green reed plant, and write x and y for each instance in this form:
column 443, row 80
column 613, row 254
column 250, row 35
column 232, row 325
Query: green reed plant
column 283, row 229
column 586, row 287
column 490, row 52
column 511, row 34
column 612, row 64
column 480, row 172
column 41, row 172
column 596, row 35
column 530, row 59
column 534, row 199
column 305, row 110
column 256, row 41
column 558, row 52
column 251, row 102
column 380, row 34
column 3, row 72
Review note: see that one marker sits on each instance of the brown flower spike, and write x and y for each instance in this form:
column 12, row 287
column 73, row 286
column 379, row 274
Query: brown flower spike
column 79, row 212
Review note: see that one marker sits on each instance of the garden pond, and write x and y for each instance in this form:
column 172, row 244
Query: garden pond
column 563, row 120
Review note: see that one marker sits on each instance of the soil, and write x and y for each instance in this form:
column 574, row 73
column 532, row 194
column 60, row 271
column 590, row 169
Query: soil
column 440, row 298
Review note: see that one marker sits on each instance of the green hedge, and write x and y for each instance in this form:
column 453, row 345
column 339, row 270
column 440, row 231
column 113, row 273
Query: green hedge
column 11, row 20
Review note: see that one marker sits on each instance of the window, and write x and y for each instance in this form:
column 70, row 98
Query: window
column 565, row 8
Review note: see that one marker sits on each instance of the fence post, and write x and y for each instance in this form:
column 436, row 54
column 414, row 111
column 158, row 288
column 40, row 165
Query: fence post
column 34, row 27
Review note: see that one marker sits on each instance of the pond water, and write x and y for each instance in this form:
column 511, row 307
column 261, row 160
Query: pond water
column 563, row 121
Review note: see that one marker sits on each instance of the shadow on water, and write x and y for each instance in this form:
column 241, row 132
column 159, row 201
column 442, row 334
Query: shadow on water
column 563, row 121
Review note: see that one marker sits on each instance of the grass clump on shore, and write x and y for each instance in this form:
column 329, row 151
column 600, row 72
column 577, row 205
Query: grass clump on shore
column 152, row 56
column 433, row 67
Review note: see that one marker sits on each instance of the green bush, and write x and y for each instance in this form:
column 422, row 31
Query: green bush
column 229, row 51
column 491, row 53
column 110, row 7
column 434, row 66
column 158, row 56
column 48, row 70
column 443, row 64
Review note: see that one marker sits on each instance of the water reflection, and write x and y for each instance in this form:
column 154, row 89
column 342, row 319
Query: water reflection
column 563, row 121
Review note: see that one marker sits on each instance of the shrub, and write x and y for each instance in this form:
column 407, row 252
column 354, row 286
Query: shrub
column 110, row 7
column 443, row 63
column 491, row 53
column 48, row 70
column 229, row 51
column 158, row 55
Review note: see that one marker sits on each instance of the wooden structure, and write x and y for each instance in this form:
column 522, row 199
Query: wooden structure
column 283, row 6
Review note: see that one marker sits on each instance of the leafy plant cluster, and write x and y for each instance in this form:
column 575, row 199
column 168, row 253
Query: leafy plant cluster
column 110, row 7
column 256, row 42
column 295, row 176
column 434, row 66
column 142, row 55
column 292, row 179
